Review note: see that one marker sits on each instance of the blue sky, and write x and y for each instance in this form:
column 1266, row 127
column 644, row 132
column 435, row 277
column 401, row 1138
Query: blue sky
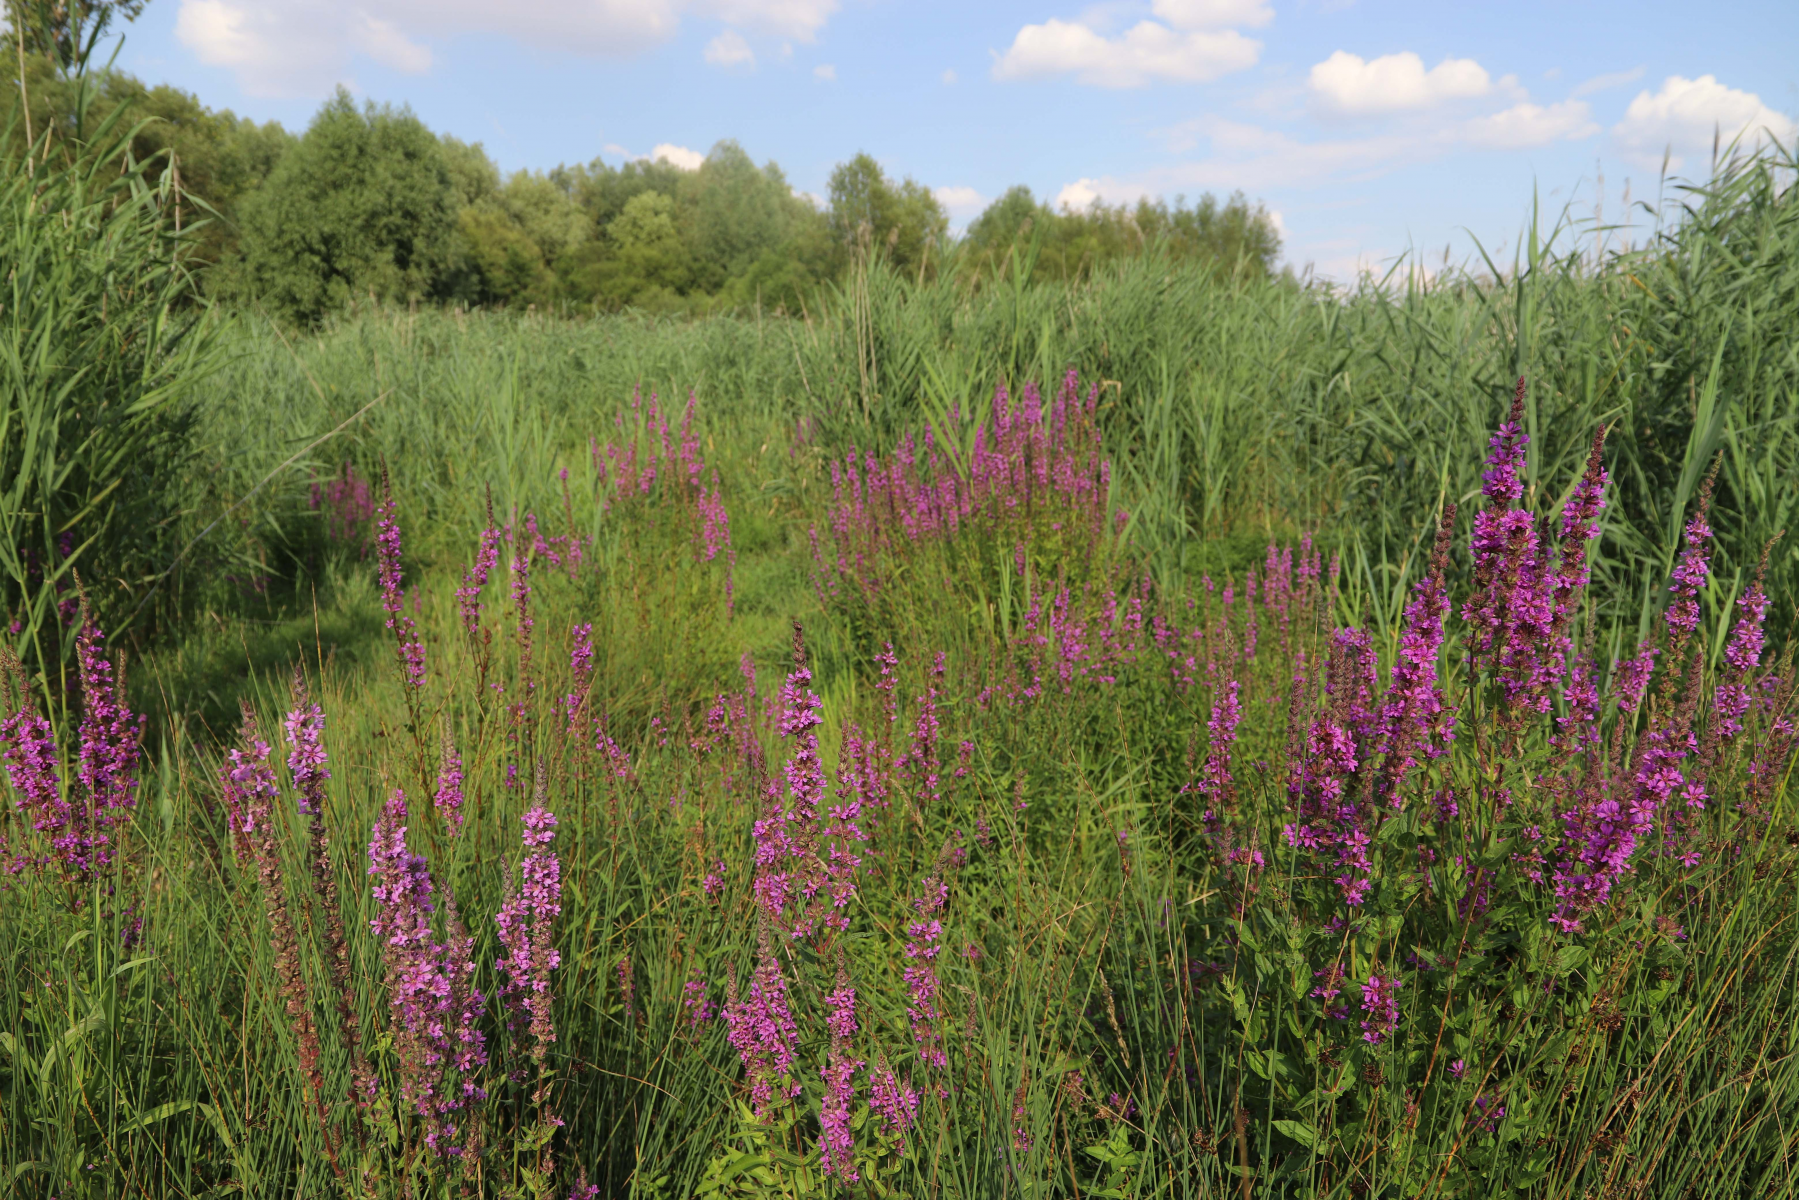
column 1371, row 128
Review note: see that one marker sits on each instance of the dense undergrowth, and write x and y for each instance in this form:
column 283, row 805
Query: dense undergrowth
column 1009, row 869
column 1240, row 773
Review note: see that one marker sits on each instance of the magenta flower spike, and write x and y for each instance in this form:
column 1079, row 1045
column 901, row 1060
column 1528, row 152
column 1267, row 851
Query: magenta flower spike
column 1413, row 720
column 763, row 1032
column 468, row 596
column 305, row 727
column 434, row 1005
column 1380, row 1000
column 920, row 974
column 526, row 923
column 893, row 1102
column 837, row 1143
column 77, row 821
column 33, row 767
column 448, row 797
column 387, row 558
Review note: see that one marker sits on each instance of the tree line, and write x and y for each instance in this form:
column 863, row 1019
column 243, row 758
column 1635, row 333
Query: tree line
column 370, row 203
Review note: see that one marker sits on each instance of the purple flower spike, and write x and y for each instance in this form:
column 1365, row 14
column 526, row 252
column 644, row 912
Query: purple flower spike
column 762, row 1031
column 837, row 1143
column 527, row 919
column 431, row 995
column 387, row 558
column 305, row 727
column 1380, row 1000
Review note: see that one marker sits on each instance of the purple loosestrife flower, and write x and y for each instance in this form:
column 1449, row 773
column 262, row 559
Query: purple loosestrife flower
column 306, row 760
column 893, row 1102
column 1380, row 1000
column 762, row 1031
column 836, row 1143
column 447, row 799
column 1510, row 610
column 922, row 759
column 920, row 974
column 106, row 763
column 580, row 667
column 32, row 764
column 1690, row 574
column 305, row 727
column 468, row 596
column 696, row 1005
column 1580, row 525
column 1215, row 784
column 410, row 649
column 787, row 835
column 526, row 921
column 1631, row 678
column 1743, row 655
column 248, row 773
column 77, row 822
column 434, row 1006
column 1413, row 720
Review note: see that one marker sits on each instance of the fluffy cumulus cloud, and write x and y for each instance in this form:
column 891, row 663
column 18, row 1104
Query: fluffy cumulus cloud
column 1683, row 116
column 1213, row 14
column 961, row 203
column 1190, row 41
column 678, row 156
column 1147, row 52
column 302, row 47
column 1347, row 85
column 1523, row 126
column 729, row 49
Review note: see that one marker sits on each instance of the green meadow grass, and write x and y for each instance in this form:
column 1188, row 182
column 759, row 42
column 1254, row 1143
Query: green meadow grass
column 1652, row 1056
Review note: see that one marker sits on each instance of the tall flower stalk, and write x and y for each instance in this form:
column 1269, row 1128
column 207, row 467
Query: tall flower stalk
column 251, row 798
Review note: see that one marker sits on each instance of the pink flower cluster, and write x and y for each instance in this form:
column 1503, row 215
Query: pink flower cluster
column 347, row 507
column 410, row 648
column 1028, row 477
column 78, row 821
column 435, row 1007
column 526, row 921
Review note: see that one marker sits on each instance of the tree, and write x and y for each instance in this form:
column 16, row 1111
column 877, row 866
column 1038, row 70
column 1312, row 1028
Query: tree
column 365, row 203
column 904, row 222
column 63, row 31
column 992, row 235
column 646, row 263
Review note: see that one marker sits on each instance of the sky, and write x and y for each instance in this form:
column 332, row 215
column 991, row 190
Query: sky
column 1370, row 129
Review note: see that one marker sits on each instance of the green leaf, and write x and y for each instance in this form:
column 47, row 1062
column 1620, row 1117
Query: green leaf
column 1299, row 1131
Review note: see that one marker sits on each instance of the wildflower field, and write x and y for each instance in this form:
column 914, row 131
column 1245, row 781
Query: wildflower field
column 1145, row 738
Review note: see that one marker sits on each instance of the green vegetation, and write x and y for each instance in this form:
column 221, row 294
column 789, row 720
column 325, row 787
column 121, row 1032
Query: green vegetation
column 1073, row 757
column 369, row 203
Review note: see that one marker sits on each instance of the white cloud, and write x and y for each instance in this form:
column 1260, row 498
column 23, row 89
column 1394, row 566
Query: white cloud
column 272, row 51
column 1078, row 195
column 1610, row 79
column 677, row 156
column 825, row 71
column 1213, row 14
column 960, row 202
column 797, row 19
column 1525, row 125
column 1146, row 52
column 729, row 49
column 949, row 77
column 1083, row 194
column 304, row 47
column 1683, row 116
column 386, row 44
column 1347, row 85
